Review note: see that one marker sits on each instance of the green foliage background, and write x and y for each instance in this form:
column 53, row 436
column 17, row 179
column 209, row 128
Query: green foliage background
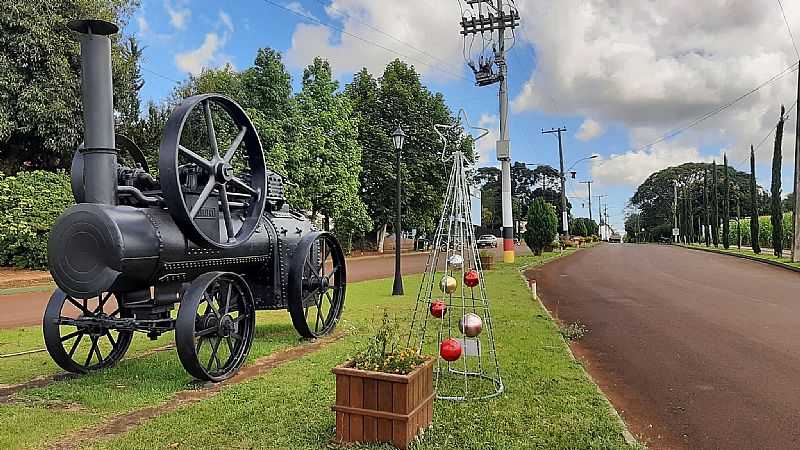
column 30, row 203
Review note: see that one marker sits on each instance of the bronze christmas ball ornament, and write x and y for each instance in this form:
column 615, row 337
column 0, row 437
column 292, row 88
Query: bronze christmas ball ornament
column 448, row 284
column 471, row 325
column 455, row 261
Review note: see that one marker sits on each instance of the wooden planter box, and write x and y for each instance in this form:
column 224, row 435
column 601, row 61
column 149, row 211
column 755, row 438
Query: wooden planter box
column 382, row 407
column 487, row 262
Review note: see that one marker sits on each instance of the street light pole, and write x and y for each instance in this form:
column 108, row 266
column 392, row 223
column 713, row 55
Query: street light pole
column 398, row 138
column 589, row 185
column 564, row 218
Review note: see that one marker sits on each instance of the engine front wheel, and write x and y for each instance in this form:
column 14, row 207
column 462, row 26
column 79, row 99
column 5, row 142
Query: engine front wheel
column 215, row 326
column 78, row 333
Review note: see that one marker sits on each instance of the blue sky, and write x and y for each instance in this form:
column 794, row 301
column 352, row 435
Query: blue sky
column 616, row 78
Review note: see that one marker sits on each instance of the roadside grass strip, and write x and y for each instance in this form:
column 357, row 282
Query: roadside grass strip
column 765, row 255
column 549, row 402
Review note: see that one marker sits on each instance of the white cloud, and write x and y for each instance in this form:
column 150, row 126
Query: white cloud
column 431, row 27
column 632, row 168
column 210, row 53
column 589, row 130
column 226, row 20
column 178, row 16
column 144, row 27
column 487, row 145
column 655, row 67
column 299, row 9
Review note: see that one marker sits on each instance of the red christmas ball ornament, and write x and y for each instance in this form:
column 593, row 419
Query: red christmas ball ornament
column 438, row 308
column 450, row 349
column 471, row 278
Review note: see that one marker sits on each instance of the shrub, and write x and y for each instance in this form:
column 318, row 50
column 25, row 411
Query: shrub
column 30, row 203
column 382, row 352
column 541, row 227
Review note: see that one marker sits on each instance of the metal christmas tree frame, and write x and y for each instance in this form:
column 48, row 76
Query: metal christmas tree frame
column 452, row 305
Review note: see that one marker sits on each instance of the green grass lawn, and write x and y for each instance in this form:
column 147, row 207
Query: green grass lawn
column 549, row 401
column 747, row 251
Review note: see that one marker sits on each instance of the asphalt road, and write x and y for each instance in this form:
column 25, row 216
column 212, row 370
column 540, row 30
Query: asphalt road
column 26, row 309
column 696, row 350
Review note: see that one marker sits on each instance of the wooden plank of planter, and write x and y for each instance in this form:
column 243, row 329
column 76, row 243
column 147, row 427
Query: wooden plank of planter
column 370, row 403
column 384, row 404
column 357, row 402
column 342, row 399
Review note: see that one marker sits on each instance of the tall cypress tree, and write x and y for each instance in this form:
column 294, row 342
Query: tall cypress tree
column 726, row 206
column 706, row 214
column 714, row 205
column 754, row 238
column 777, row 214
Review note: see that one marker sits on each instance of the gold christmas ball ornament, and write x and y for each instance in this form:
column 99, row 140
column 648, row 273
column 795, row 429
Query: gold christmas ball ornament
column 448, row 284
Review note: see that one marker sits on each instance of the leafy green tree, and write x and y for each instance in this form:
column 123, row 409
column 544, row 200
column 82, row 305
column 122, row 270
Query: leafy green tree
column 706, row 213
column 726, row 205
column 326, row 165
column 541, row 228
column 754, row 228
column 577, row 227
column 776, row 213
column 714, row 205
column 40, row 106
column 398, row 97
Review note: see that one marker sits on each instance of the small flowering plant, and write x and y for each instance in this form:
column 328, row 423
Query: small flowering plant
column 382, row 352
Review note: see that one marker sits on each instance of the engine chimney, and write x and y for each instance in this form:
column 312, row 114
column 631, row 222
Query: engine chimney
column 99, row 148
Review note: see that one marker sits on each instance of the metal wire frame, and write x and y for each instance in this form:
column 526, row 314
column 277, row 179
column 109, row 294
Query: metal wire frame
column 455, row 225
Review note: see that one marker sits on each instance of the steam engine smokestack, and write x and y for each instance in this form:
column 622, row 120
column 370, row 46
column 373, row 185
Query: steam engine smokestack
column 99, row 148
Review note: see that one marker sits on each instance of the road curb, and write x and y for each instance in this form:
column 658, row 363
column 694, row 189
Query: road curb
column 737, row 255
column 630, row 439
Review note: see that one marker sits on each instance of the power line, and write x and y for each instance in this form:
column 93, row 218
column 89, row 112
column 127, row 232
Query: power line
column 367, row 41
column 159, row 75
column 783, row 13
column 675, row 132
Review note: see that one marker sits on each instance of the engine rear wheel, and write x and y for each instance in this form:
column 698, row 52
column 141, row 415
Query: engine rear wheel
column 317, row 282
column 77, row 334
column 215, row 326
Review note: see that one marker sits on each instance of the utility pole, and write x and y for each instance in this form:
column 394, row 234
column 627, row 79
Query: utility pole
column 497, row 20
column 589, row 185
column 564, row 221
column 795, row 216
column 600, row 212
column 675, row 210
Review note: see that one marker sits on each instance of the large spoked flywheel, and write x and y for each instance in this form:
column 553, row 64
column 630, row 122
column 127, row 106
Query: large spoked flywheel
column 212, row 171
column 317, row 281
column 215, row 326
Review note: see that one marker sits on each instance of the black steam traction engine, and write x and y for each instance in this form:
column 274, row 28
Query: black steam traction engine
column 211, row 232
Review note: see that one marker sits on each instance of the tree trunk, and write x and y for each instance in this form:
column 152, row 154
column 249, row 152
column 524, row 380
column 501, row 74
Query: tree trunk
column 777, row 215
column 381, row 237
column 715, row 206
column 754, row 238
column 706, row 215
column 726, row 206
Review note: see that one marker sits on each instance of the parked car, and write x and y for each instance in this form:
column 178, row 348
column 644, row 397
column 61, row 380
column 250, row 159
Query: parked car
column 487, row 240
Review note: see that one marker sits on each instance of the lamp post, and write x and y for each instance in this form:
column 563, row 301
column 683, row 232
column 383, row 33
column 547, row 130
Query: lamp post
column 398, row 139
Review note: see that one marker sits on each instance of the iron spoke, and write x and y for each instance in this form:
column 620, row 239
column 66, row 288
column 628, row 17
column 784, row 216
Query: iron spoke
column 335, row 269
column 230, row 345
column 199, row 345
column 75, row 345
column 239, row 319
column 319, row 314
column 111, row 339
column 214, row 348
column 226, row 211
column 209, row 301
column 79, row 306
column 212, row 135
column 228, row 300
column 101, row 303
column 243, row 185
column 91, row 351
column 197, row 159
column 204, row 333
column 234, row 145
column 67, row 337
column 236, row 336
column 201, row 199
column 115, row 312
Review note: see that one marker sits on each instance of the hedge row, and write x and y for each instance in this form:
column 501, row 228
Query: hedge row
column 764, row 231
column 30, row 203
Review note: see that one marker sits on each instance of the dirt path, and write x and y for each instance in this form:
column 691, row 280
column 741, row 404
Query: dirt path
column 696, row 350
column 122, row 423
